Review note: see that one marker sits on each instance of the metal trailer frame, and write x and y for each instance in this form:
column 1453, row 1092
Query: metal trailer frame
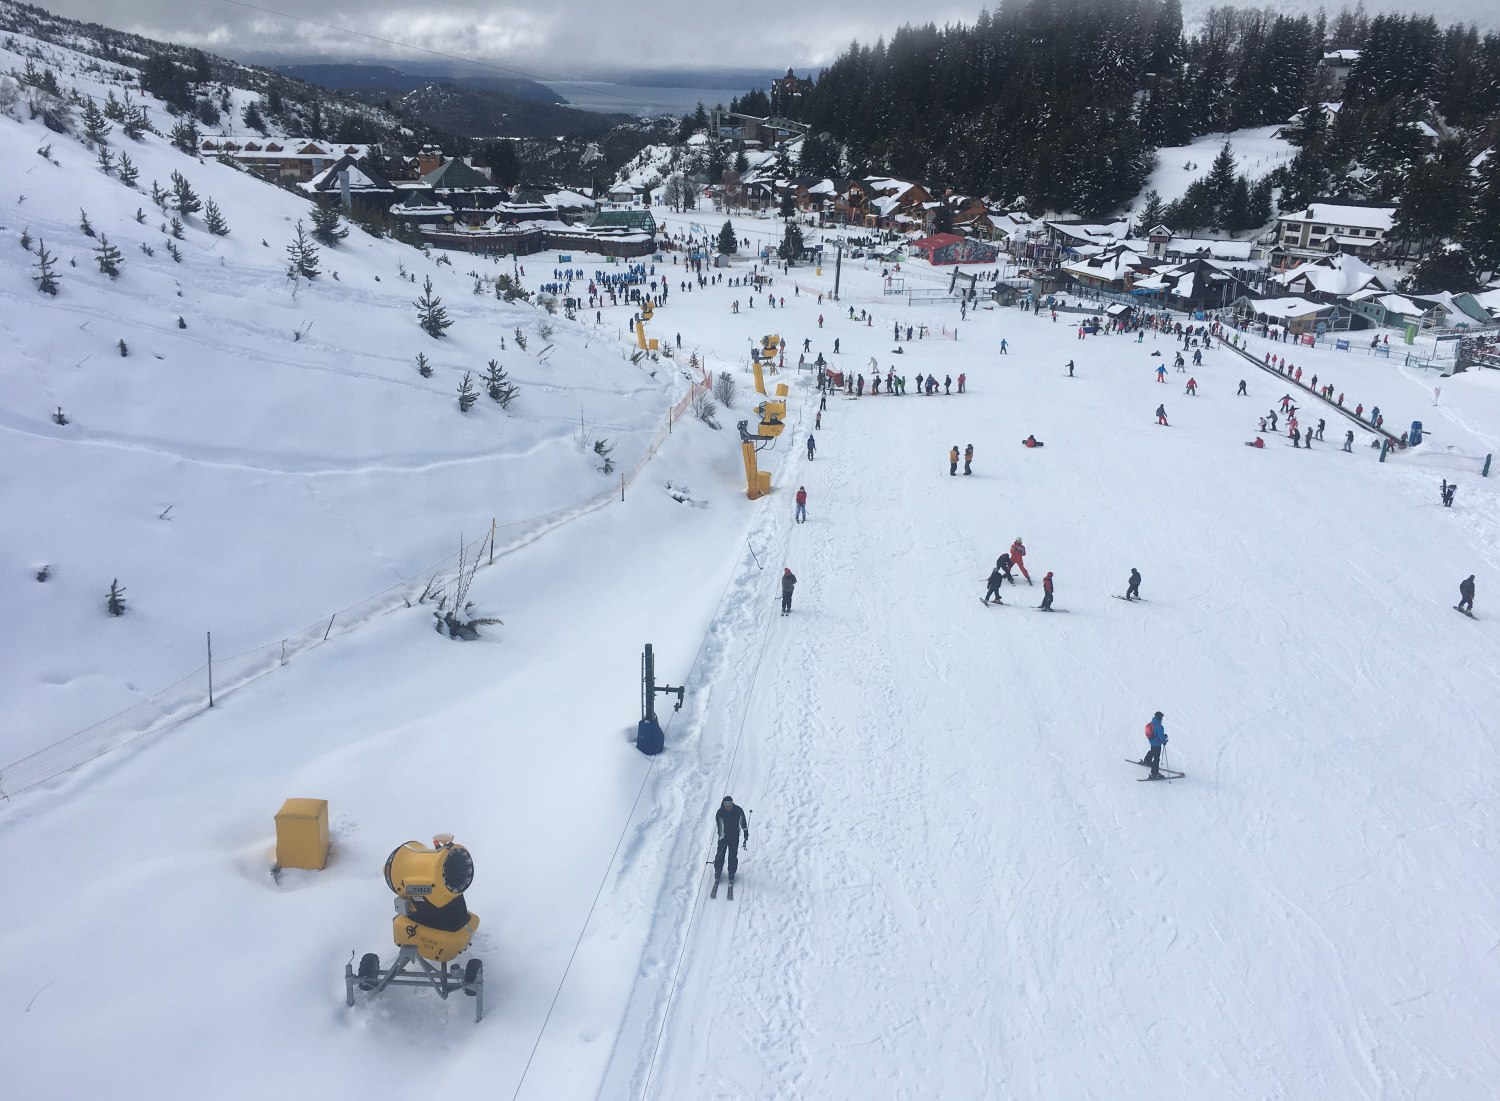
column 445, row 980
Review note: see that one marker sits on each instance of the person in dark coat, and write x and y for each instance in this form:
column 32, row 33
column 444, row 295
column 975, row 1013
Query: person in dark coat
column 1046, row 604
column 997, row 578
column 1133, row 591
column 969, row 459
column 1466, row 591
column 1003, row 565
column 812, row 445
column 788, row 583
column 732, row 825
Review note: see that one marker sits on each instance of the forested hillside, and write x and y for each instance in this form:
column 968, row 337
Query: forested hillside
column 1060, row 103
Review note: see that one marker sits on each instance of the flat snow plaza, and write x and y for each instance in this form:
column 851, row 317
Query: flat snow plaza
column 955, row 885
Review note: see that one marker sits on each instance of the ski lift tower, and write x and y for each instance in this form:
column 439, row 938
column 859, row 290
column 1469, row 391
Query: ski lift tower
column 648, row 734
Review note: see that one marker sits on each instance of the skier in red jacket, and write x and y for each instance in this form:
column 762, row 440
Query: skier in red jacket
column 801, row 504
column 1046, row 604
column 1018, row 558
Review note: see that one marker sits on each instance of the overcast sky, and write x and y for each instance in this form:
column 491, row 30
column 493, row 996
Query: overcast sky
column 574, row 37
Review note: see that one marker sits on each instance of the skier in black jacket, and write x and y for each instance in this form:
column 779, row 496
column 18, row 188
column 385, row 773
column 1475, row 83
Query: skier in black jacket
column 997, row 578
column 788, row 583
column 1133, row 591
column 732, row 824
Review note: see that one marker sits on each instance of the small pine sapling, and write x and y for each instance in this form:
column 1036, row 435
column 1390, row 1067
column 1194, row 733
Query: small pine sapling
column 213, row 220
column 423, row 367
column 303, row 253
column 327, row 226
column 175, row 228
column 107, row 257
column 46, row 278
column 96, row 126
column 105, row 160
column 114, row 110
column 59, row 417
column 467, row 395
column 184, row 198
column 181, row 324
column 498, row 385
column 185, row 136
column 174, row 252
column 115, row 602
column 124, row 350
column 602, row 448
column 45, row 152
column 26, row 240
column 147, row 249
column 158, row 196
column 83, row 223
column 520, row 340
column 135, row 123
column 44, row 573
column 140, row 216
column 430, row 313
column 128, row 172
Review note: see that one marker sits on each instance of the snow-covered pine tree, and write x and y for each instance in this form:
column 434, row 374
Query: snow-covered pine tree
column 175, row 228
column 303, row 253
column 45, row 278
column 96, row 126
column 136, row 122
column 174, row 252
column 213, row 220
column 114, row 110
column 327, row 226
column 728, row 243
column 430, row 312
column 498, row 385
column 467, row 395
column 1152, row 213
column 252, row 117
column 185, row 136
column 424, row 368
column 115, row 602
column 83, row 223
column 105, row 160
column 107, row 257
column 184, row 198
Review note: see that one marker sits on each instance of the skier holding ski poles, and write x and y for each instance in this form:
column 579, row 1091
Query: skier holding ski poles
column 731, row 824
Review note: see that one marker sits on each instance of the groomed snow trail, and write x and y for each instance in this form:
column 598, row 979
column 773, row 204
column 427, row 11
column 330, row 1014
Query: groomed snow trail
column 956, row 888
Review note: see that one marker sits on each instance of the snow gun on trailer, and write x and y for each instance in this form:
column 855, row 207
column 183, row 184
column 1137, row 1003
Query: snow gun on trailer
column 431, row 928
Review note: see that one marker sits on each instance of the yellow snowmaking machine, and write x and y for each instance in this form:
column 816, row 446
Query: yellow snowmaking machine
column 432, row 926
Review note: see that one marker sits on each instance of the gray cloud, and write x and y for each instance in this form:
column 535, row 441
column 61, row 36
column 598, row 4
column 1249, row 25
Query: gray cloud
column 568, row 37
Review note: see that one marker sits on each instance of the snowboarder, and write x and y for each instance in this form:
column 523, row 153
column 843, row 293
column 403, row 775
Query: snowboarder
column 812, row 445
column 997, row 578
column 953, row 461
column 788, row 583
column 1156, row 734
column 1447, row 492
column 1466, row 592
column 1018, row 558
column 801, row 516
column 1046, row 604
column 1133, row 590
column 732, row 825
column 1241, row 392
column 1161, row 414
column 968, row 459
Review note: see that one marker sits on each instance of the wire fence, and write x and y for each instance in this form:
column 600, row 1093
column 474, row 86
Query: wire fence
column 215, row 679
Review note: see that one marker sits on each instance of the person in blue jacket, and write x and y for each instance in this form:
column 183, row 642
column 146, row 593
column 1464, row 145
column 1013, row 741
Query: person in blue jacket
column 1156, row 734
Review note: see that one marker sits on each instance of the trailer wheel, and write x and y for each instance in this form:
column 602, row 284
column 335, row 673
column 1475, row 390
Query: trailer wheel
column 369, row 971
column 473, row 976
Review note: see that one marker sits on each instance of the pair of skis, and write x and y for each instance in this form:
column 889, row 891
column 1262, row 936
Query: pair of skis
column 1002, row 604
column 1162, row 773
column 713, row 892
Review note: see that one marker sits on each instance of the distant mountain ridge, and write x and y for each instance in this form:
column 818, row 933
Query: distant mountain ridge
column 368, row 77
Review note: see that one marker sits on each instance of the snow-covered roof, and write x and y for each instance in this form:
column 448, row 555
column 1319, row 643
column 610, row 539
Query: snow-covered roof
column 1341, row 57
column 1219, row 250
column 1078, row 231
column 568, row 200
column 253, row 146
column 1337, row 274
column 893, row 188
column 358, row 179
column 823, row 187
column 1288, row 307
column 1353, row 217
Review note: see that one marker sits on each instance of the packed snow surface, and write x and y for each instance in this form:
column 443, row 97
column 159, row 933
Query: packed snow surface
column 955, row 887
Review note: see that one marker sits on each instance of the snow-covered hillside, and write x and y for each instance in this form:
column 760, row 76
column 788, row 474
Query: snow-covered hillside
column 1257, row 151
column 265, row 452
column 955, row 887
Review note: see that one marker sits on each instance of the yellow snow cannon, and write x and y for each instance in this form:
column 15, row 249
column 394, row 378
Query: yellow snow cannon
column 432, row 925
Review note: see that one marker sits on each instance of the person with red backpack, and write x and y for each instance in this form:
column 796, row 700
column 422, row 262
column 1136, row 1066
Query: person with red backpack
column 801, row 516
column 1156, row 735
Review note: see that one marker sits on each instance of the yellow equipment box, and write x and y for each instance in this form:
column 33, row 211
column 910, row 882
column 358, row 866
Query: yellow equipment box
column 302, row 834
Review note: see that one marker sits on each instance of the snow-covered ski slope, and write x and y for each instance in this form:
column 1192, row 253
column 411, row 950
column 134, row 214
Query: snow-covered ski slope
column 279, row 457
column 954, row 886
